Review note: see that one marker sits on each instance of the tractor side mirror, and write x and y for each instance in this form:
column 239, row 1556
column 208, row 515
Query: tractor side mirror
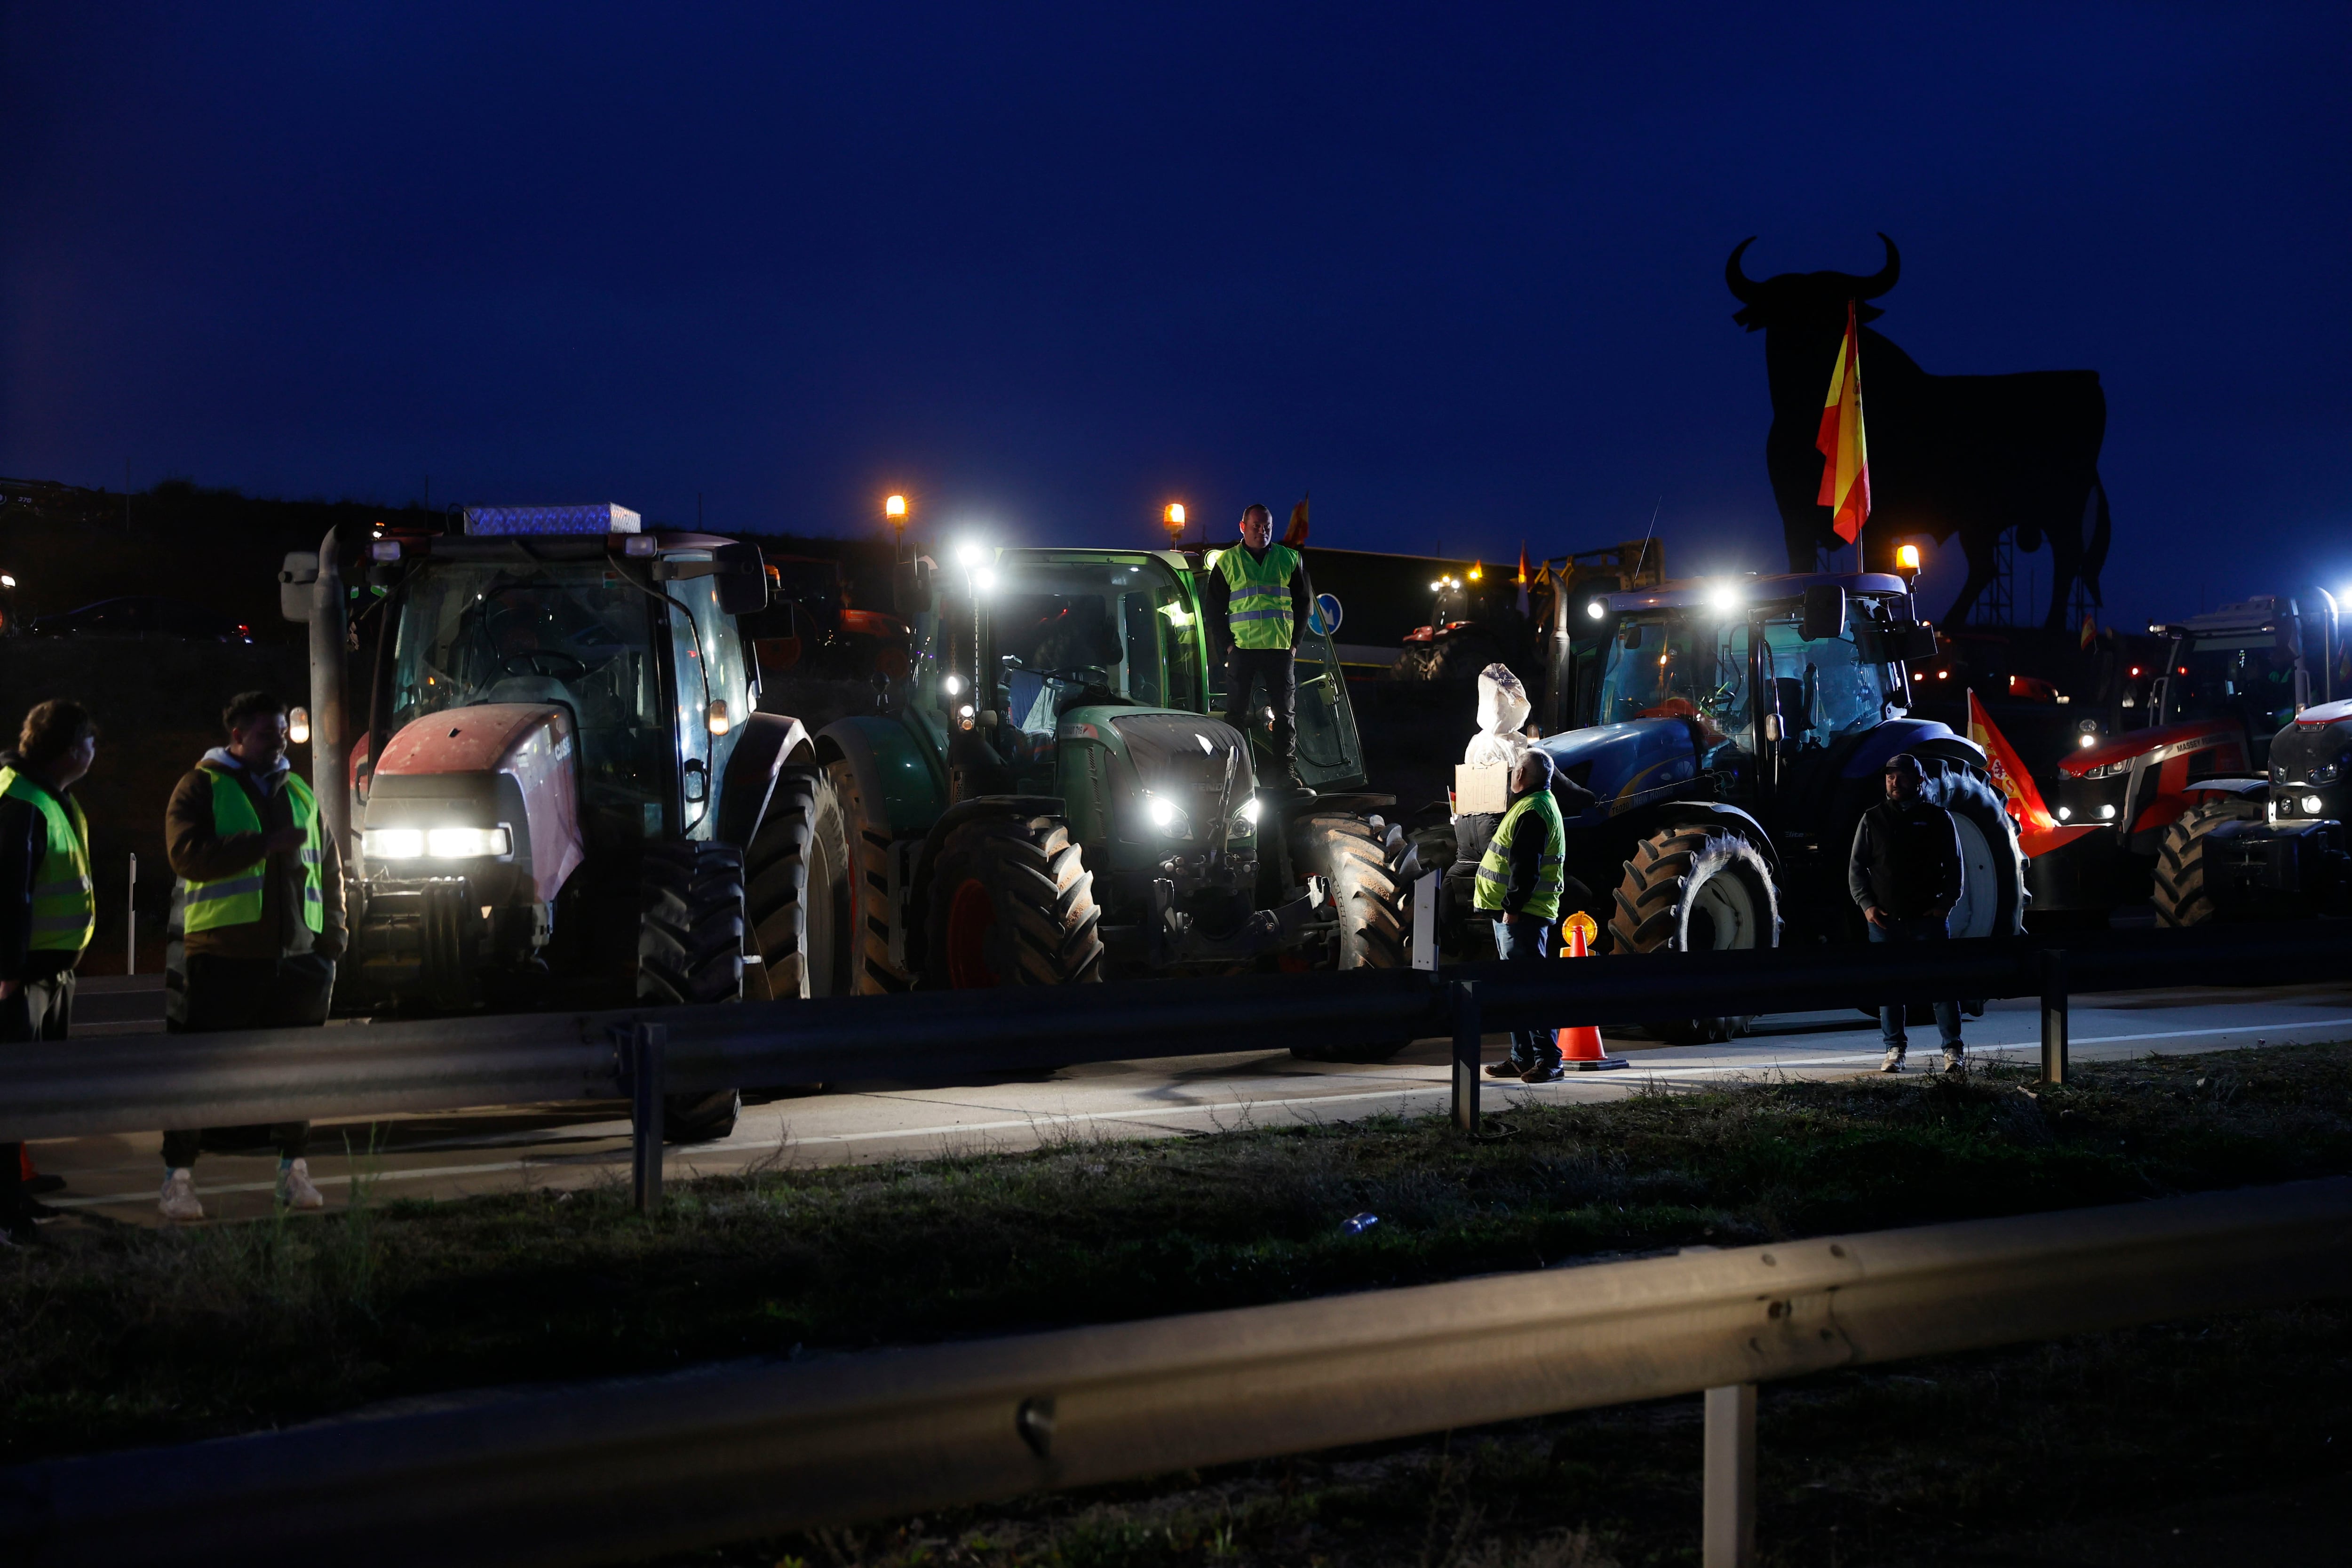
column 1824, row 615
column 294, row 581
column 743, row 579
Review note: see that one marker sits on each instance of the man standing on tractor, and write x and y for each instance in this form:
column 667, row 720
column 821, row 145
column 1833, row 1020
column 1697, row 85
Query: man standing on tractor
column 1519, row 884
column 263, row 902
column 1906, row 875
column 48, row 908
column 1256, row 601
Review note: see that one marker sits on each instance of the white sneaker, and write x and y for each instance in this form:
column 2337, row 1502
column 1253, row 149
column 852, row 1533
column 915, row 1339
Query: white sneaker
column 178, row 1200
column 296, row 1190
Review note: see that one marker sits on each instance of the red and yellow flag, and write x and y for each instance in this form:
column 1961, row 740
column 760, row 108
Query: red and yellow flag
column 1845, row 452
column 2038, row 832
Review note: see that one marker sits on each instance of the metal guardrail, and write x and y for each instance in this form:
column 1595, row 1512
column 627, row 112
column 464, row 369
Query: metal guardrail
column 139, row 1083
column 659, row 1463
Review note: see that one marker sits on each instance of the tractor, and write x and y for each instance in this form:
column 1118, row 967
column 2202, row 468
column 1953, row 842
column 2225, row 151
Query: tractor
column 560, row 791
column 1727, row 736
column 2207, row 764
column 1053, row 801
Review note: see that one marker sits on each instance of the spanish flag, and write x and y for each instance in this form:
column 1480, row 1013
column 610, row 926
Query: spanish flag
column 1845, row 453
column 2038, row 832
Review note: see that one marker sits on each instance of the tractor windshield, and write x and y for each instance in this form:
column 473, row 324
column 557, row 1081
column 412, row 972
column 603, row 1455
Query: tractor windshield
column 2243, row 675
column 1671, row 666
column 575, row 634
column 1823, row 689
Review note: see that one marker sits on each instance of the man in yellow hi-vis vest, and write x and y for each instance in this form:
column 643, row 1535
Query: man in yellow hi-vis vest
column 261, row 897
column 1256, row 600
column 1520, row 884
column 48, row 907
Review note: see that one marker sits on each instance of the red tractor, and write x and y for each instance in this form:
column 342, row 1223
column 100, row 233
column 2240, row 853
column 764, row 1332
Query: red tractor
column 2232, row 682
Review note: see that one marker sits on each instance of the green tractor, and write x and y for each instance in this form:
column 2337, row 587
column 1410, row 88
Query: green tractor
column 1051, row 801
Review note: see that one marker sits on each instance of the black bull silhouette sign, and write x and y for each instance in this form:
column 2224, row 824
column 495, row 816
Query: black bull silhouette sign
column 1974, row 455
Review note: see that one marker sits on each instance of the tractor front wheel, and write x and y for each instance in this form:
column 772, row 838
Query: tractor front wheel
column 1012, row 903
column 1370, row 903
column 1696, row 889
column 2183, row 895
column 797, row 892
column 690, row 953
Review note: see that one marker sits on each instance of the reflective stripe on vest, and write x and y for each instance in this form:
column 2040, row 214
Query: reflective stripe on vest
column 236, row 900
column 1259, row 595
column 65, row 902
column 1495, row 866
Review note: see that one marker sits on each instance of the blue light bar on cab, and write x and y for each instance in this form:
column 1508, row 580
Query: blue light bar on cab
column 494, row 520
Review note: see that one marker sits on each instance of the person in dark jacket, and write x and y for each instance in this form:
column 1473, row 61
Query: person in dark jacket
column 48, row 907
column 1257, row 600
column 1906, row 875
column 262, row 907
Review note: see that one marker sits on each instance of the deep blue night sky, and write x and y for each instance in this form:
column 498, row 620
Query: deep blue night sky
column 1456, row 270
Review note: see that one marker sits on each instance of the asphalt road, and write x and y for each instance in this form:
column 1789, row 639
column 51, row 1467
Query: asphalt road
column 571, row 1145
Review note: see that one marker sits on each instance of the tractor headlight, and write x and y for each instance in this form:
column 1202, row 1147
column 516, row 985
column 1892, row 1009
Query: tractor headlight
column 393, row 843
column 1246, row 819
column 467, row 843
column 2312, row 806
column 2324, row 773
column 2107, row 813
column 440, row 843
column 2066, row 814
column 1167, row 817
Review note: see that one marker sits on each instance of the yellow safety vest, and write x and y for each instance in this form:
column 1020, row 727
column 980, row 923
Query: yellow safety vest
column 236, row 900
column 1260, row 595
column 65, row 902
column 1494, row 869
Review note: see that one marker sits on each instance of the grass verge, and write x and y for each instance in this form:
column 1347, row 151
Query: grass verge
column 127, row 1336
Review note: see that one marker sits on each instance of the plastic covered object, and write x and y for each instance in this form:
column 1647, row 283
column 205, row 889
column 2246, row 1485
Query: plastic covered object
column 1359, row 1223
column 1502, row 718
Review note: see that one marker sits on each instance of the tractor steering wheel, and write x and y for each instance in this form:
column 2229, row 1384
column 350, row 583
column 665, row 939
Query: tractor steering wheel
column 532, row 661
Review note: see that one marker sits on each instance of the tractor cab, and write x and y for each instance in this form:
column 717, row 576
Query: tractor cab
column 1756, row 691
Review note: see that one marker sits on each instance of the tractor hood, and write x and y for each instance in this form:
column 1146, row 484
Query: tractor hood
column 2316, row 748
column 1626, row 764
column 500, row 764
column 1197, row 764
column 2160, row 741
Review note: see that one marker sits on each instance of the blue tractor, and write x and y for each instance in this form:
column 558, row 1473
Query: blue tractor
column 1720, row 741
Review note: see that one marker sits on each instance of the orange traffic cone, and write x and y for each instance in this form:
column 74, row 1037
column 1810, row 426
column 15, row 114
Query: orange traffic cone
column 1580, row 1049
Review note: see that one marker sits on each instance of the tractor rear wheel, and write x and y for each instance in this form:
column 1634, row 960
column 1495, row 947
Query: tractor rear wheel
column 1696, row 889
column 1992, row 888
column 2183, row 897
column 1012, row 903
column 1370, row 903
column 796, row 891
column 690, row 953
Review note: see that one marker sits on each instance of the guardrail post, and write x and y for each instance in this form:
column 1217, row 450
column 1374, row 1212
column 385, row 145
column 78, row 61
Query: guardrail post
column 648, row 1046
column 1467, row 1039
column 2053, row 1015
column 1425, row 922
column 1727, row 1522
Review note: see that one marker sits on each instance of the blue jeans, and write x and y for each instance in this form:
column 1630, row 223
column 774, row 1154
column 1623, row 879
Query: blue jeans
column 1527, row 942
column 1890, row 1019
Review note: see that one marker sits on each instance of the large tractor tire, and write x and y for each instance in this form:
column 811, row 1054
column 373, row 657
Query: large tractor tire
column 2182, row 897
column 796, row 891
column 1012, row 903
column 866, row 828
column 1696, row 889
column 1993, row 896
column 1347, row 853
column 690, row 953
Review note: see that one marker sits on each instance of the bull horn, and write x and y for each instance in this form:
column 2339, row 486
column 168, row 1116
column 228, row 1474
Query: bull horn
column 1880, row 281
column 1742, row 288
